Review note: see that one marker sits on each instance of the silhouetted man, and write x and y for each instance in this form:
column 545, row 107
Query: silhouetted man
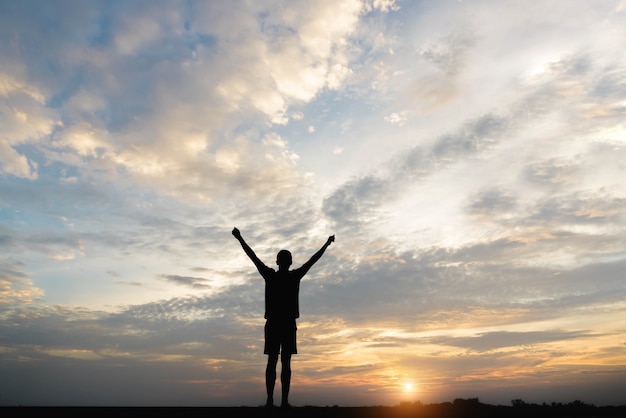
column 281, row 310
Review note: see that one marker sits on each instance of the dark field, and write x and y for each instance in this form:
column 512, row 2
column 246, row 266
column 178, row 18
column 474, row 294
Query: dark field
column 460, row 408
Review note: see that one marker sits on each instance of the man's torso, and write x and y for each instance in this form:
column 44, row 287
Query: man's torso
column 281, row 294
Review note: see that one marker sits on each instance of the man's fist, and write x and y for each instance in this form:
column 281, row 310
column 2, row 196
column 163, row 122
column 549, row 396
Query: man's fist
column 236, row 233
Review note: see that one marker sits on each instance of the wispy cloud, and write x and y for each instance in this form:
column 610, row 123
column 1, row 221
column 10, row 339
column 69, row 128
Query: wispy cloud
column 193, row 282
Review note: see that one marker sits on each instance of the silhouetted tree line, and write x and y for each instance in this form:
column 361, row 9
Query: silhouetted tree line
column 475, row 409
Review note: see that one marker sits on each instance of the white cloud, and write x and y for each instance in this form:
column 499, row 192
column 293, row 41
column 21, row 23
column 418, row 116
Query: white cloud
column 396, row 119
column 14, row 163
column 24, row 119
column 85, row 141
column 385, row 5
column 16, row 287
column 9, row 86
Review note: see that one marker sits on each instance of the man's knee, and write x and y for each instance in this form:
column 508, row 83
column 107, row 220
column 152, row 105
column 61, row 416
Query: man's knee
column 272, row 359
column 285, row 359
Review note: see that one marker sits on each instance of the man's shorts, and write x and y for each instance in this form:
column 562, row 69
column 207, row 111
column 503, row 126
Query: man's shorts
column 280, row 334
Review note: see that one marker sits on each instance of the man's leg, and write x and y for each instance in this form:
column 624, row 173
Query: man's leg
column 285, row 377
column 270, row 377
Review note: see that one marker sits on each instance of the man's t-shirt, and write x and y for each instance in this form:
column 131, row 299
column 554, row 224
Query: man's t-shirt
column 281, row 293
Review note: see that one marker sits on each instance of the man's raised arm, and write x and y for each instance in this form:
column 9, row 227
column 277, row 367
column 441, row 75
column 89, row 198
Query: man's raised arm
column 257, row 262
column 306, row 266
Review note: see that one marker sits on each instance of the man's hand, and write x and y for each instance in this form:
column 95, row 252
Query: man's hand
column 236, row 233
column 330, row 239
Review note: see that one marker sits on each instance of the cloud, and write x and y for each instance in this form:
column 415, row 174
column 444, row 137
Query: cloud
column 496, row 340
column 16, row 287
column 396, row 119
column 24, row 119
column 111, row 342
column 492, row 203
column 448, row 54
column 357, row 200
column 193, row 282
column 216, row 339
column 553, row 171
column 159, row 141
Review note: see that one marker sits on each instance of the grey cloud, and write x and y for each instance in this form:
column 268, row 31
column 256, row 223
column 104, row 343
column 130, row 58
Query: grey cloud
column 134, row 284
column 548, row 224
column 99, row 214
column 192, row 282
column 170, row 342
column 16, row 286
column 598, row 89
column 612, row 84
column 54, row 198
column 337, row 371
column 492, row 273
column 449, row 53
column 6, row 240
column 286, row 218
column 418, row 284
column 245, row 300
column 226, row 327
column 494, row 340
column 491, row 202
column 164, row 382
column 355, row 201
column 398, row 286
column 158, row 326
column 578, row 208
column 287, row 222
column 552, row 171
column 475, row 136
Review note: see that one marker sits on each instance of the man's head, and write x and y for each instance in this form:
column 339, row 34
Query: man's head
column 283, row 259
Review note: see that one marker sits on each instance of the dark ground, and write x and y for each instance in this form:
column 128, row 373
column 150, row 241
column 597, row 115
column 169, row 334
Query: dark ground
column 460, row 408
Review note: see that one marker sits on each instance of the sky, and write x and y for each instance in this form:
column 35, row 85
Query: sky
column 469, row 157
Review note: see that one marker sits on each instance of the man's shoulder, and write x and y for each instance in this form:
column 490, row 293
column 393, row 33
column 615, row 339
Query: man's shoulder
column 268, row 272
column 298, row 273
